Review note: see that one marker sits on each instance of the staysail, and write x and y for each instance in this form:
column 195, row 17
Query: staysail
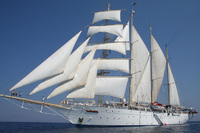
column 52, row 66
column 80, row 77
column 69, row 70
column 88, row 91
column 125, row 37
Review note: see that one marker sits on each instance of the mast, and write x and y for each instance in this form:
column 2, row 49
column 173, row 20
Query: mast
column 131, row 64
column 104, row 55
column 152, row 96
column 167, row 59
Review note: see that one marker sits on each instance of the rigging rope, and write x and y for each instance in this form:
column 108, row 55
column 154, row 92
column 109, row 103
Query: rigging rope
column 35, row 109
column 16, row 104
column 57, row 113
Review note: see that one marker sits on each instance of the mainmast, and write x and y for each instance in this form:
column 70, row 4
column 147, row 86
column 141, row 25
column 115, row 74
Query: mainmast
column 104, row 55
column 131, row 73
column 158, row 64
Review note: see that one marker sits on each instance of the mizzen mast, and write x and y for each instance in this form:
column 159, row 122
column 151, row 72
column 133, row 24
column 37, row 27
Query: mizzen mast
column 167, row 59
column 152, row 96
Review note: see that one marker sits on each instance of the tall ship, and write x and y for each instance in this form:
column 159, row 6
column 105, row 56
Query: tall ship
column 97, row 72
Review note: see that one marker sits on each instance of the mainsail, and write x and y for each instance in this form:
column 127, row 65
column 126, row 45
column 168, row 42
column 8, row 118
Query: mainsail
column 173, row 93
column 141, row 70
column 158, row 68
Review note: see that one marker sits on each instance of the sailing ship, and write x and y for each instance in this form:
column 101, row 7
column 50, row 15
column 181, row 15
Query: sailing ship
column 88, row 78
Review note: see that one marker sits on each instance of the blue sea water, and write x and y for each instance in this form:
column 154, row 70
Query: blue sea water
column 30, row 127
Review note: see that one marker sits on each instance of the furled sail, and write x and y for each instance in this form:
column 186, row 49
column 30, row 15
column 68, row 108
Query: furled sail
column 111, row 86
column 104, row 15
column 141, row 70
column 125, row 37
column 80, row 77
column 69, row 70
column 114, row 64
column 158, row 68
column 173, row 95
column 88, row 91
column 116, row 46
column 52, row 66
column 113, row 29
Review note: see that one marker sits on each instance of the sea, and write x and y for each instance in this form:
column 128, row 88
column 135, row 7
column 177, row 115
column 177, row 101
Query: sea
column 33, row 127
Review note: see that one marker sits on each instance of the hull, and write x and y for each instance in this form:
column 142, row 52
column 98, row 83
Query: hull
column 105, row 116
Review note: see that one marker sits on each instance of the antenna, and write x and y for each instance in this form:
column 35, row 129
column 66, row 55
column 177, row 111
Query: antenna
column 133, row 4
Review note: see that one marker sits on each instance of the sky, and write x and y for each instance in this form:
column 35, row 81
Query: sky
column 32, row 30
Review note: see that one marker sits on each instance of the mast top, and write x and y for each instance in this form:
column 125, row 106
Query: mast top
column 108, row 6
column 133, row 6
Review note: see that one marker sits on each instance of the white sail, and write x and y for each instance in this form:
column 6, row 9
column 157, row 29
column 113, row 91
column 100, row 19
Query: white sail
column 52, row 66
column 125, row 37
column 104, row 15
column 111, row 86
column 143, row 92
column 70, row 68
column 158, row 68
column 88, row 91
column 113, row 29
column 173, row 95
column 80, row 77
column 118, row 46
column 141, row 70
column 114, row 64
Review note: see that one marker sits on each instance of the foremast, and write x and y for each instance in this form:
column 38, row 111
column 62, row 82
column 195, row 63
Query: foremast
column 104, row 56
column 80, row 76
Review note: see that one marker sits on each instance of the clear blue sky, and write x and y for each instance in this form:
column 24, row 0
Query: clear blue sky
column 31, row 30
